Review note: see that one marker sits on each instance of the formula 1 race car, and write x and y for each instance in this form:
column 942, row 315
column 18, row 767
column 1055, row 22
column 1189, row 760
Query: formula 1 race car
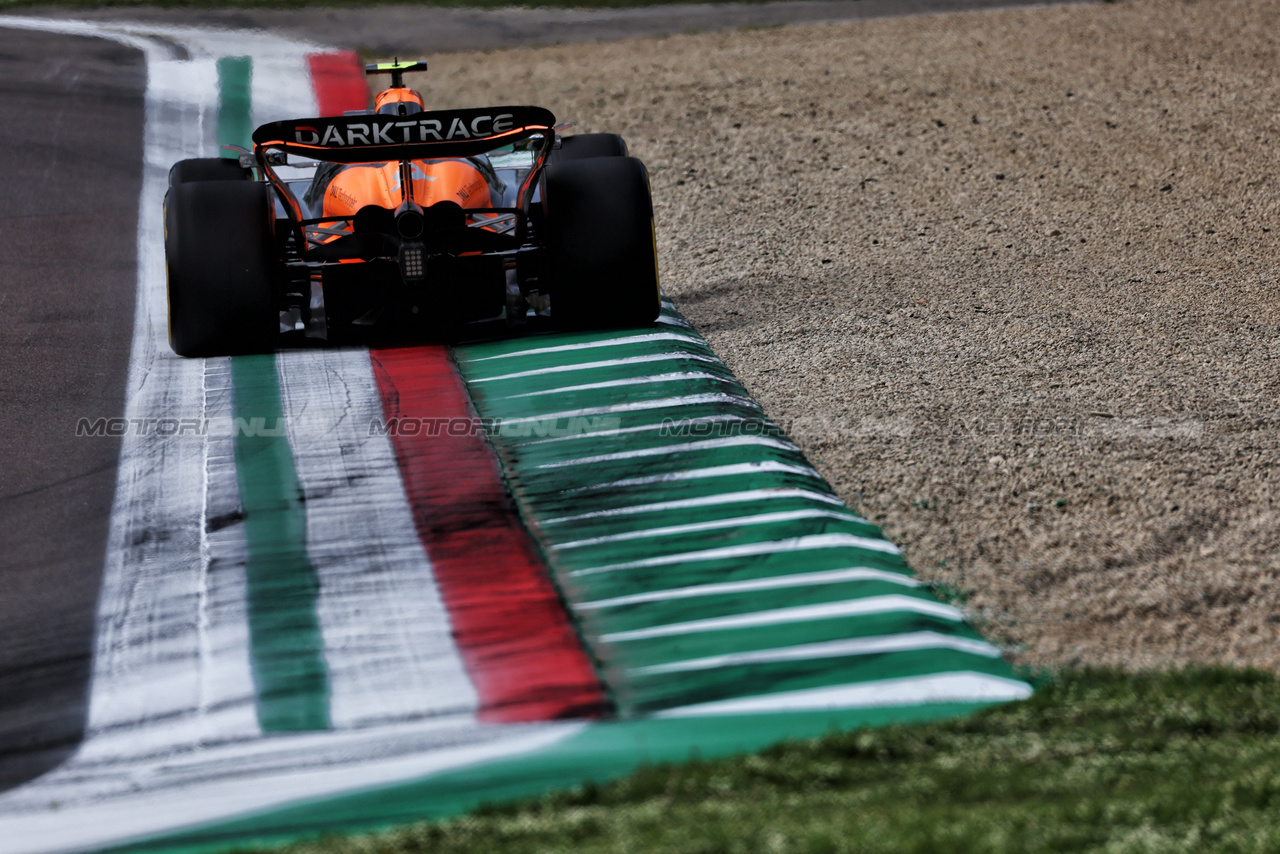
column 399, row 222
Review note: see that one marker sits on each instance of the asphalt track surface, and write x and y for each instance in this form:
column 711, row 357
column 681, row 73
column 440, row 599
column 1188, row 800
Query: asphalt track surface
column 72, row 142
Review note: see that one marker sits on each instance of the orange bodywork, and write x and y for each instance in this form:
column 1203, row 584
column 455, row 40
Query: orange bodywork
column 389, row 99
column 434, row 181
column 379, row 184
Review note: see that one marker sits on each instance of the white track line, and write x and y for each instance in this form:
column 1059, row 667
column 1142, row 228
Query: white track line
column 162, row 614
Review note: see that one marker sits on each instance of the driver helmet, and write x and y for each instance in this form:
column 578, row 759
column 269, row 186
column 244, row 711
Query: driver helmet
column 398, row 101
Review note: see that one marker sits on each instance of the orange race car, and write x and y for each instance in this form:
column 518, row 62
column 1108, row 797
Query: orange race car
column 402, row 222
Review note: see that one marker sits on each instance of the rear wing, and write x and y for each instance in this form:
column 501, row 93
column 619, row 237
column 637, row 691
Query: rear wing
column 418, row 136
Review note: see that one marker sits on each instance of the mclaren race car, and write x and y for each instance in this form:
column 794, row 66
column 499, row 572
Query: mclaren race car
column 401, row 222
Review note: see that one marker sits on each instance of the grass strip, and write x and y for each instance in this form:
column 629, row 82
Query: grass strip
column 1172, row 761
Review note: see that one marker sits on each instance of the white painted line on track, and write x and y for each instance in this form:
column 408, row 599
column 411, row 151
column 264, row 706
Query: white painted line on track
column 796, row 614
column 878, row 645
column 958, row 687
column 682, row 448
column 223, row 659
column 167, row 626
column 754, row 585
column 698, row 527
column 750, row 495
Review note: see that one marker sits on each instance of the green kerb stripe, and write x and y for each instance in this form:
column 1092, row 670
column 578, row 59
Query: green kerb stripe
column 286, row 647
column 235, row 117
column 625, row 508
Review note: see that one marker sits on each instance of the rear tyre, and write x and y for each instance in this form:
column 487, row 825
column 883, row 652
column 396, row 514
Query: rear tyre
column 207, row 169
column 588, row 145
column 600, row 243
column 220, row 260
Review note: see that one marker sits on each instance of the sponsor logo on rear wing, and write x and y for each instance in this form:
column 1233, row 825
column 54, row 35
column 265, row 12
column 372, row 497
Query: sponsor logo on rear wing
column 438, row 133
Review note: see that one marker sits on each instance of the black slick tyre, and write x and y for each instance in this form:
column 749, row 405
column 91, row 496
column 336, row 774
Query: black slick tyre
column 207, row 169
column 219, row 259
column 588, row 145
column 600, row 243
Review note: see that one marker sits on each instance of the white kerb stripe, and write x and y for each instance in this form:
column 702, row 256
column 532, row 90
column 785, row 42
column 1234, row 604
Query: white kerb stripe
column 961, row 687
column 591, row 345
column 669, row 356
column 797, row 614
column 695, row 527
column 792, row 544
column 704, row 501
column 674, row 321
column 683, row 448
column 847, row 647
column 667, row 423
column 699, row 474
column 630, row 381
column 637, row 406
column 388, row 644
column 752, row 585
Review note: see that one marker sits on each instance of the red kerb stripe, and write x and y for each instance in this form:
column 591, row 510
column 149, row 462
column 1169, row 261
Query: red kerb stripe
column 521, row 650
column 516, row 640
column 338, row 81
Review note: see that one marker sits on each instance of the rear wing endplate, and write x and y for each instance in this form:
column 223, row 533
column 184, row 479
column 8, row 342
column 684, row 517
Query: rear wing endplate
column 426, row 135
